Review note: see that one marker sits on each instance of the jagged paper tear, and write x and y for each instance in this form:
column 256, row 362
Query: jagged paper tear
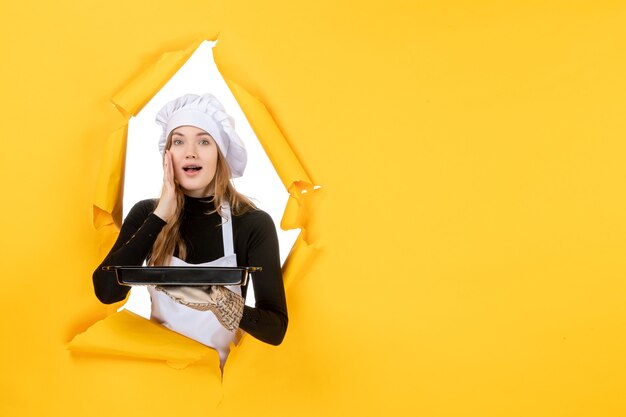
column 109, row 336
column 127, row 334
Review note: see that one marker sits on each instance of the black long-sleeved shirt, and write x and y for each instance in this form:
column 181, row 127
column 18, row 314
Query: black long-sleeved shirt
column 255, row 241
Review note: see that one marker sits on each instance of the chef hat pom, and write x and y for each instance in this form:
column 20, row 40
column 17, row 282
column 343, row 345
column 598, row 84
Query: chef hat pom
column 207, row 113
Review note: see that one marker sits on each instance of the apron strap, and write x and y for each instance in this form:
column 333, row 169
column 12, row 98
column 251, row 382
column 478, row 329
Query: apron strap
column 227, row 230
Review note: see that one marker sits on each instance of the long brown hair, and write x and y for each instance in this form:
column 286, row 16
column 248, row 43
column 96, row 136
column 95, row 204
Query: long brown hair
column 223, row 190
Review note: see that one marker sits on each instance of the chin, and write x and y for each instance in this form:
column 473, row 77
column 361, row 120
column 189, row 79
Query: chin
column 196, row 191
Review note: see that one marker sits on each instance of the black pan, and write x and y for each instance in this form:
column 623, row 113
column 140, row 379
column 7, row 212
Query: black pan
column 182, row 275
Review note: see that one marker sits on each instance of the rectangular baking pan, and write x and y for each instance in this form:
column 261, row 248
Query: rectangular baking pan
column 182, row 275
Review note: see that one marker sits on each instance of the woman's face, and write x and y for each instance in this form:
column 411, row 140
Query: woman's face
column 194, row 158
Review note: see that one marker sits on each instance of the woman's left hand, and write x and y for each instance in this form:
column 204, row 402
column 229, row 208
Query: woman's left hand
column 225, row 304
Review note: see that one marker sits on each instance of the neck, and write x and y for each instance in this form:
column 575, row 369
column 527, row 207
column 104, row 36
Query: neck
column 199, row 205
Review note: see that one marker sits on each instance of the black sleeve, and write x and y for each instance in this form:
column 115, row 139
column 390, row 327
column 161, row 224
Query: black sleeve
column 267, row 321
column 139, row 231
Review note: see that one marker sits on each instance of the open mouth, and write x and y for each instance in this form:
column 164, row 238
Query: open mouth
column 192, row 168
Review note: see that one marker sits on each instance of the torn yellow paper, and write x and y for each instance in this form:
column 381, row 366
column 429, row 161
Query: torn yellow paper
column 107, row 204
column 299, row 258
column 274, row 143
column 296, row 212
column 127, row 334
column 131, row 99
column 290, row 170
column 293, row 175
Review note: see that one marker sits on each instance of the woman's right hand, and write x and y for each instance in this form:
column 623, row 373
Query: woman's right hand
column 167, row 203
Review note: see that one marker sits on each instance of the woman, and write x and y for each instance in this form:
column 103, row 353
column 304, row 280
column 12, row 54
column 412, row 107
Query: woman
column 201, row 219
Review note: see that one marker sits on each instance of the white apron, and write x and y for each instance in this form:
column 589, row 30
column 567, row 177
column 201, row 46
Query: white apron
column 201, row 326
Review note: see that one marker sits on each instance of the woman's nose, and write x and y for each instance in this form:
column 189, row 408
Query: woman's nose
column 191, row 153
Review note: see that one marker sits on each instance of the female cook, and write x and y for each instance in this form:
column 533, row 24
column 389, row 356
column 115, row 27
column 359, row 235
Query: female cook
column 201, row 219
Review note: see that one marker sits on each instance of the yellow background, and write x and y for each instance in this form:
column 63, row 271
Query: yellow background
column 471, row 221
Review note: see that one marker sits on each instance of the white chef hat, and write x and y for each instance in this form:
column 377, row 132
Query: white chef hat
column 208, row 114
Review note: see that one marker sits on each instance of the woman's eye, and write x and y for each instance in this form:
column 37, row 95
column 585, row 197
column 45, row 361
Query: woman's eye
column 177, row 142
column 204, row 142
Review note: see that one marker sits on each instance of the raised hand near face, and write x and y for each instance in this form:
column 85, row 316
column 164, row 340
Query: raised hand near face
column 167, row 202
